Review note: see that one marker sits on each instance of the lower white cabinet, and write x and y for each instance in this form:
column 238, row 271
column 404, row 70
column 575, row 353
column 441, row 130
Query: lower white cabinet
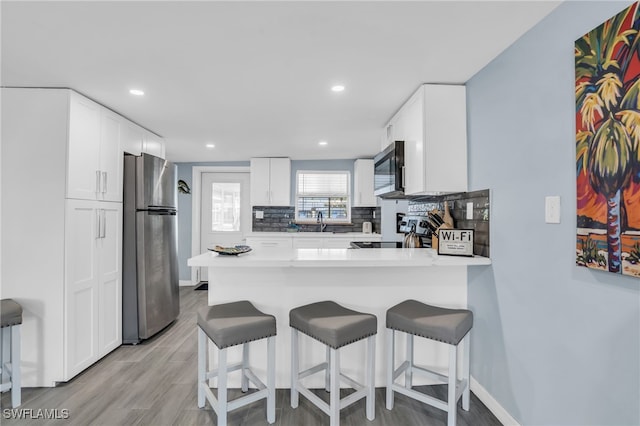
column 93, row 287
column 270, row 242
column 308, row 240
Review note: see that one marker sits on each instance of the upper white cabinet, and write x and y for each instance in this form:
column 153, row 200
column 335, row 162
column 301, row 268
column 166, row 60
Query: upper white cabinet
column 153, row 144
column 132, row 138
column 270, row 182
column 136, row 140
column 94, row 168
column 363, row 184
column 432, row 124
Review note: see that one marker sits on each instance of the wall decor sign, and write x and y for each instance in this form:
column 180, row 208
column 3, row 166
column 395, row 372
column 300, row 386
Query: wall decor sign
column 607, row 67
column 455, row 242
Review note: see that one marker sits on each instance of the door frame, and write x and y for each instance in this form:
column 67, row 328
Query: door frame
column 196, row 204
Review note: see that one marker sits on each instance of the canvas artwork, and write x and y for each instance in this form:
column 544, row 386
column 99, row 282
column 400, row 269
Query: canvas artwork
column 607, row 66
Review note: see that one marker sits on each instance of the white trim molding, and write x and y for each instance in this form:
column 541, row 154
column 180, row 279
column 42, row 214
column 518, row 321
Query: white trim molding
column 494, row 406
column 196, row 183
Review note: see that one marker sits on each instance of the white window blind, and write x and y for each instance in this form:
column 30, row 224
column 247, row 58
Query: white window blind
column 325, row 192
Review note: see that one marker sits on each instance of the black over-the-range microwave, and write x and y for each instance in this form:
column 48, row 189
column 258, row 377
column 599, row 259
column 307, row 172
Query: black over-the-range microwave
column 389, row 171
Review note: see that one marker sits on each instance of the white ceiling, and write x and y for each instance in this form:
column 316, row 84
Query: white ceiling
column 254, row 77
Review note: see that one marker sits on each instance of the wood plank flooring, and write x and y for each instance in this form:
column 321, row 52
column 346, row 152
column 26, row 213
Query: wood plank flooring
column 154, row 383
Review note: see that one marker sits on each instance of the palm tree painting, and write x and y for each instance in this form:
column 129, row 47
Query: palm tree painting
column 607, row 67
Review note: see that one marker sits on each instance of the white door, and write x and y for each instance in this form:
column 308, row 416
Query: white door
column 111, row 158
column 110, row 277
column 82, row 236
column 83, row 179
column 226, row 213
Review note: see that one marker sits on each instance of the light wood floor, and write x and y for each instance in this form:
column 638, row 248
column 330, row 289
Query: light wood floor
column 154, row 383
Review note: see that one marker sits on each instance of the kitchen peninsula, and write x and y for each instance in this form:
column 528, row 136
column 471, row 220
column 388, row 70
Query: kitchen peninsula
column 371, row 280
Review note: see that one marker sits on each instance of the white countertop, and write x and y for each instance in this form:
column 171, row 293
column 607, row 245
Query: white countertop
column 313, row 234
column 300, row 258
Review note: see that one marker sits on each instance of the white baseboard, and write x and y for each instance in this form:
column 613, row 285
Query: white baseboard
column 184, row 283
column 493, row 405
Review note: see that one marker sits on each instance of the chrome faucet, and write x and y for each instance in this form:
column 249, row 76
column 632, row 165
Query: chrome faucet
column 320, row 221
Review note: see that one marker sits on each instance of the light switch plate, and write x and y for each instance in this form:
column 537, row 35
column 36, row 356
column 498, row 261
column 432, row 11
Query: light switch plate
column 552, row 209
column 259, row 214
column 470, row 211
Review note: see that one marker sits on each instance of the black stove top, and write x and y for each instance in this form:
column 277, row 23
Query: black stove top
column 377, row 244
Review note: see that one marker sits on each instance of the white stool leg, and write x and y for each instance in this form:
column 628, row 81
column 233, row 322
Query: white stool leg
column 466, row 351
column 16, row 379
column 327, row 375
column 408, row 374
column 334, row 398
column 6, row 353
column 245, row 366
column 222, row 387
column 390, row 366
column 294, row 368
column 202, row 365
column 271, row 379
column 451, row 400
column 370, row 377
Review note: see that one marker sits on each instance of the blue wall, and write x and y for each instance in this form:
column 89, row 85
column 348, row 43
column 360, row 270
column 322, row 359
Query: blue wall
column 553, row 343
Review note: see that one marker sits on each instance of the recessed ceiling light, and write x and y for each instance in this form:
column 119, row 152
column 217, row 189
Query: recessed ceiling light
column 323, row 143
column 210, row 145
column 337, row 88
column 136, row 92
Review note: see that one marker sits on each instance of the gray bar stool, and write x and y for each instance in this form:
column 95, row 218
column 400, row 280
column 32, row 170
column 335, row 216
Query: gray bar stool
column 450, row 326
column 10, row 320
column 335, row 326
column 227, row 325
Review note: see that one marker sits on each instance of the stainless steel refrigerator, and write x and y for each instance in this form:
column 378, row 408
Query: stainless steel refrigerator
column 150, row 298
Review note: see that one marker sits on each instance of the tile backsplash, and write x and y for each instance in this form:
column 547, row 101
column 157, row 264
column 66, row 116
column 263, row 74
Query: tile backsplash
column 458, row 209
column 276, row 219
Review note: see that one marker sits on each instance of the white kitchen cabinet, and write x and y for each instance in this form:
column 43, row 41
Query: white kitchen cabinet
column 363, row 184
column 318, row 242
column 433, row 127
column 284, row 241
column 270, row 182
column 72, row 306
column 153, row 144
column 308, row 240
column 94, row 169
column 93, row 287
column 132, row 138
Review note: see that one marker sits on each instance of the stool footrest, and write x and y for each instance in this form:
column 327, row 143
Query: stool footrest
column 5, row 387
column 246, row 399
column 313, row 370
column 212, row 374
column 403, row 367
column 434, row 402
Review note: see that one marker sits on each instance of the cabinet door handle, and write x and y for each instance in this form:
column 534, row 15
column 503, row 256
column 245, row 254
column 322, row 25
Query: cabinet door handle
column 98, row 220
column 98, row 181
column 402, row 177
column 104, row 224
column 104, row 182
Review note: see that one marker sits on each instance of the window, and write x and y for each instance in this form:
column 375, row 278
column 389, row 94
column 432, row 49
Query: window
column 225, row 206
column 326, row 192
